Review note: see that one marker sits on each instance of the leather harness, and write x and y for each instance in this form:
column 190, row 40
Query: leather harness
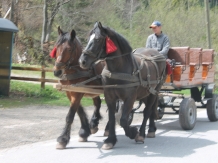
column 135, row 77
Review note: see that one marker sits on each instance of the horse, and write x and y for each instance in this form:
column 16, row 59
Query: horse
column 126, row 76
column 67, row 51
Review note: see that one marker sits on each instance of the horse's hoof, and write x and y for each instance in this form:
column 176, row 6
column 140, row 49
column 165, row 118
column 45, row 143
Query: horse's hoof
column 82, row 139
column 107, row 146
column 151, row 135
column 106, row 133
column 61, row 146
column 139, row 139
column 94, row 130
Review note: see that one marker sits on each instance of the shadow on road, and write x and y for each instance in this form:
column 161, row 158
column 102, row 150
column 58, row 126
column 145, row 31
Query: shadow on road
column 170, row 141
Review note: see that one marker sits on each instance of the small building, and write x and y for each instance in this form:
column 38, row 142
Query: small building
column 7, row 30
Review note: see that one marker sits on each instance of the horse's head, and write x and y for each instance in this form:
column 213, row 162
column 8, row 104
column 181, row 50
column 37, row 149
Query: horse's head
column 67, row 52
column 99, row 46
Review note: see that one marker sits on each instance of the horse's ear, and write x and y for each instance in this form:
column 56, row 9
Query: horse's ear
column 100, row 25
column 60, row 32
column 72, row 34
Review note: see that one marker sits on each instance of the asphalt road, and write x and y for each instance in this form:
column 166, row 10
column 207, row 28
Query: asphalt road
column 172, row 144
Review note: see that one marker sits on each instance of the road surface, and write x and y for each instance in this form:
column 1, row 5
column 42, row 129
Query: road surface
column 172, row 144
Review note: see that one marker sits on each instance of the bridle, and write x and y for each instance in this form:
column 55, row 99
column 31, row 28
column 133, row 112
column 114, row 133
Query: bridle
column 62, row 65
column 91, row 54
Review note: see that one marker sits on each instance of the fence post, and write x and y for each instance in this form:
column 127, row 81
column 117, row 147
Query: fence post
column 43, row 77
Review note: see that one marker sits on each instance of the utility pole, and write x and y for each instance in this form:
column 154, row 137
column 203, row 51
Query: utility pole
column 206, row 2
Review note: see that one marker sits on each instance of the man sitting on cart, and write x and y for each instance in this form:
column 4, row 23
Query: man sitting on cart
column 158, row 40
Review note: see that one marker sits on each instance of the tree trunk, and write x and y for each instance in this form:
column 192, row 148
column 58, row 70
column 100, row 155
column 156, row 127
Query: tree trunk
column 45, row 22
column 51, row 20
column 0, row 9
column 12, row 11
column 49, row 30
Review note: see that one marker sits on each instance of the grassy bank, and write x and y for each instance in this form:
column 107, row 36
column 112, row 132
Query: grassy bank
column 23, row 93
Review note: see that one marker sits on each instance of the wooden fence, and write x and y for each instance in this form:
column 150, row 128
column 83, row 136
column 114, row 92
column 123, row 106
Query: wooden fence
column 43, row 79
column 43, row 71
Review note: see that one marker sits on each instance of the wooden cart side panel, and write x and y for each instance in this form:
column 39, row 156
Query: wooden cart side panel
column 180, row 54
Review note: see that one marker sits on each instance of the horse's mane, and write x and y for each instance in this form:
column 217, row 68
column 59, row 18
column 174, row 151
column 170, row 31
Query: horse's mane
column 122, row 42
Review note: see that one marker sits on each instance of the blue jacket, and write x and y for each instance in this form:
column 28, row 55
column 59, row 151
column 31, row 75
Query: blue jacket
column 161, row 43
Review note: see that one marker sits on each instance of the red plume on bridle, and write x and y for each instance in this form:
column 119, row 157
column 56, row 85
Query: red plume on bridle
column 110, row 46
column 53, row 53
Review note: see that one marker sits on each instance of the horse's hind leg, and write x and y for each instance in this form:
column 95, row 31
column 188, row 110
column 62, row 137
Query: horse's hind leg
column 149, row 101
column 152, row 127
column 64, row 138
column 96, row 115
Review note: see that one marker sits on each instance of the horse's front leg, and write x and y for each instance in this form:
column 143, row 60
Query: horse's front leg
column 84, row 131
column 64, row 138
column 131, row 132
column 112, row 139
column 96, row 115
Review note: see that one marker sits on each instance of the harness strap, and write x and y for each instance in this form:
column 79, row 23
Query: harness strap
column 157, row 70
column 76, row 75
column 151, row 89
column 87, row 81
column 120, row 76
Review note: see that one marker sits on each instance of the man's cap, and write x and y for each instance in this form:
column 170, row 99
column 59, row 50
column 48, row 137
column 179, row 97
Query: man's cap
column 155, row 24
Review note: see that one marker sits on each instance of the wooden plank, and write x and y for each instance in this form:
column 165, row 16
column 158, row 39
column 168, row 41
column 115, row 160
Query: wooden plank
column 78, row 89
column 34, row 79
column 32, row 69
column 43, row 78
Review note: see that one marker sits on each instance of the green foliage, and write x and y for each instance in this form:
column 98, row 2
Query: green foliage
column 183, row 21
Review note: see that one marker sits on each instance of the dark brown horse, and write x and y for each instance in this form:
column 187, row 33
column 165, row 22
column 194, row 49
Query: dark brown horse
column 67, row 52
column 130, row 77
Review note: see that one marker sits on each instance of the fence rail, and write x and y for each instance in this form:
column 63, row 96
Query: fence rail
column 43, row 71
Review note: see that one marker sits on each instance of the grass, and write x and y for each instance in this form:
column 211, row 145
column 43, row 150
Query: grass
column 23, row 93
column 185, row 92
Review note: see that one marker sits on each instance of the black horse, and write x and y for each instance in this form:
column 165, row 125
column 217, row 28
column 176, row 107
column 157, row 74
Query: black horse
column 130, row 77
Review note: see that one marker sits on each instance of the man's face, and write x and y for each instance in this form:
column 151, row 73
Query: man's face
column 156, row 30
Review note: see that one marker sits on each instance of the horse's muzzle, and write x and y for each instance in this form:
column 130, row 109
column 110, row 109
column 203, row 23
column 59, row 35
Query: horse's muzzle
column 58, row 73
column 83, row 62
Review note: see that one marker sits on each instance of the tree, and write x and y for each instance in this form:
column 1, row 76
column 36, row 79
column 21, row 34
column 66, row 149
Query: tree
column 52, row 8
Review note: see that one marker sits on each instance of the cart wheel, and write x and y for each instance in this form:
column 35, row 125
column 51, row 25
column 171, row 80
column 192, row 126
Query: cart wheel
column 212, row 108
column 187, row 114
column 118, row 114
